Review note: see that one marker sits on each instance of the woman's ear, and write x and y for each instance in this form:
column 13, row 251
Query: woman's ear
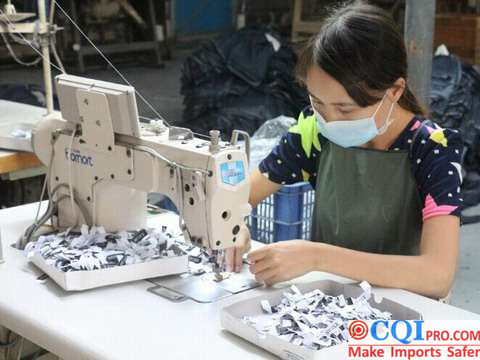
column 397, row 90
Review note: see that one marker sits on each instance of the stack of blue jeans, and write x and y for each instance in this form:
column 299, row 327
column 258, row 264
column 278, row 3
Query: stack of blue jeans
column 240, row 80
column 455, row 103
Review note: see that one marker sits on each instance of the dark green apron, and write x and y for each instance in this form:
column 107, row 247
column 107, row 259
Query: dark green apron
column 367, row 200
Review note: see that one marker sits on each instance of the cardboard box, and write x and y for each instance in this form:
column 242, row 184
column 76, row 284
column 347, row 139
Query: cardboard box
column 231, row 319
column 461, row 34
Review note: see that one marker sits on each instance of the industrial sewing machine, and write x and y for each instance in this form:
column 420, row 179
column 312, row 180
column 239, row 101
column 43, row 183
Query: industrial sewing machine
column 101, row 154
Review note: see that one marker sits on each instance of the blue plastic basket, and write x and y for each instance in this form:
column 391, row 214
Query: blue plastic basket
column 285, row 215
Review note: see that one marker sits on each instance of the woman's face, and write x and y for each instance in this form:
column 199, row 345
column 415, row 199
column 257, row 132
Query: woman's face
column 332, row 101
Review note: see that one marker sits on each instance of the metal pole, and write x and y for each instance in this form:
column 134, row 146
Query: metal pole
column 153, row 23
column 419, row 29
column 44, row 43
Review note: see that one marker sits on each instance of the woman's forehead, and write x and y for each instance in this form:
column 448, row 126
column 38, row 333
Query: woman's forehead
column 325, row 88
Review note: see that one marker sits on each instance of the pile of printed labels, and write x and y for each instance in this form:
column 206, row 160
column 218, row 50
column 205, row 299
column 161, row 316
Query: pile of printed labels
column 314, row 320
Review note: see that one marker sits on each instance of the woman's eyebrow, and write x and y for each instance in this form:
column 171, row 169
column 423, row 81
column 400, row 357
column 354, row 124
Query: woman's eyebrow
column 344, row 104
column 336, row 103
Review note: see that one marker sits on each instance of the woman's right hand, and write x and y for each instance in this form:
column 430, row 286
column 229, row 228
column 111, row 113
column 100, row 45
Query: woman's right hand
column 260, row 188
column 234, row 255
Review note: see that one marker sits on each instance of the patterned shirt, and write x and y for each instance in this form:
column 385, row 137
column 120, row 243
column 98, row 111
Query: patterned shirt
column 435, row 153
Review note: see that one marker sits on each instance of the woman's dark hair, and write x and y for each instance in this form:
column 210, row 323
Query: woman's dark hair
column 361, row 47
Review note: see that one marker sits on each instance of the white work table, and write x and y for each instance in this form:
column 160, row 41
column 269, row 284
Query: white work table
column 126, row 321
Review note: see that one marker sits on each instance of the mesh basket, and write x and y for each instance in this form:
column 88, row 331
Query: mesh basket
column 285, row 215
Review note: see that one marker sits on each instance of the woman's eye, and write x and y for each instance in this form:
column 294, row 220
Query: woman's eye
column 344, row 112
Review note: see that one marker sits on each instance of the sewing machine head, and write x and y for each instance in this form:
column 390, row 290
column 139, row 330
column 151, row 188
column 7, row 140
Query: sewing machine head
column 109, row 161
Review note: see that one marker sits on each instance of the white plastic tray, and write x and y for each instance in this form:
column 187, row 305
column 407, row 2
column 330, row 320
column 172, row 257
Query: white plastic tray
column 83, row 280
column 231, row 319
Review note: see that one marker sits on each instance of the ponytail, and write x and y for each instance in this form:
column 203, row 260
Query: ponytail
column 410, row 102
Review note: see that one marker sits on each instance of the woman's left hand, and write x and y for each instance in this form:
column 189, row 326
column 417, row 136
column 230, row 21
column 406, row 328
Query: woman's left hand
column 282, row 261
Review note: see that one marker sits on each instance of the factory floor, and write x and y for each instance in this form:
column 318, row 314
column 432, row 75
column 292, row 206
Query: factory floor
column 161, row 86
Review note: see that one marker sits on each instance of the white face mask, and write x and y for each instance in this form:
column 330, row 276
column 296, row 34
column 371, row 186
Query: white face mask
column 349, row 133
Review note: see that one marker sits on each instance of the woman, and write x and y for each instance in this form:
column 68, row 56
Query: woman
column 387, row 180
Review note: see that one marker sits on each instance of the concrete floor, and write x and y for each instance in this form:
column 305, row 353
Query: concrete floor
column 161, row 87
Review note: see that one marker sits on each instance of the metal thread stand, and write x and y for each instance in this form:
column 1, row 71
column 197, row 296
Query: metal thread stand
column 43, row 31
column 154, row 44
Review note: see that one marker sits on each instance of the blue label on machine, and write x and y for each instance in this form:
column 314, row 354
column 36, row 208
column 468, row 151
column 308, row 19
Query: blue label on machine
column 232, row 172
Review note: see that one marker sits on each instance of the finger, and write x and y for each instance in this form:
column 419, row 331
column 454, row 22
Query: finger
column 230, row 258
column 239, row 251
column 260, row 266
column 273, row 280
column 258, row 254
column 266, row 274
column 242, row 247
